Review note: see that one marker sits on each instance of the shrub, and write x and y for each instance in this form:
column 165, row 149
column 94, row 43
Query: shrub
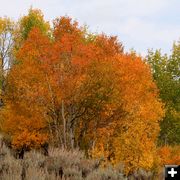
column 105, row 174
column 61, row 164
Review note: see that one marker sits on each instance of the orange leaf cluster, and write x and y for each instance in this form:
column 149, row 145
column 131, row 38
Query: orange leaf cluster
column 169, row 155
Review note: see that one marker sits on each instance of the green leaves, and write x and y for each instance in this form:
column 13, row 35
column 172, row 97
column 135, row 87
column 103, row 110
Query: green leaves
column 166, row 72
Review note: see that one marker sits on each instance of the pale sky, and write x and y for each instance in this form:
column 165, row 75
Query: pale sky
column 139, row 24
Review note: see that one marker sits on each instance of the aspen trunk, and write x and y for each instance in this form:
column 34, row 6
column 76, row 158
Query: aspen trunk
column 64, row 125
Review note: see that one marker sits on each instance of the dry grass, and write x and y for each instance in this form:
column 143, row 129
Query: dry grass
column 60, row 164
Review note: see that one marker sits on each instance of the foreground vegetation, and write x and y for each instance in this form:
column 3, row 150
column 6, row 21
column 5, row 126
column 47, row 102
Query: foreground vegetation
column 63, row 164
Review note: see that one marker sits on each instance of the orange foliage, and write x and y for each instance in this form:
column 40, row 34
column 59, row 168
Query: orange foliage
column 29, row 140
column 169, row 155
column 84, row 93
column 24, row 111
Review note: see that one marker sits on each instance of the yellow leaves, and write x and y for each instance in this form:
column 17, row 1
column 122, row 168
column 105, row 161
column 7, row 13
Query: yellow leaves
column 134, row 150
column 135, row 131
column 174, row 113
column 6, row 25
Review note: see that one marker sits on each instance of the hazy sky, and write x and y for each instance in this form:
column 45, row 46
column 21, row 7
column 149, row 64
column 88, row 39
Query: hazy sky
column 139, row 24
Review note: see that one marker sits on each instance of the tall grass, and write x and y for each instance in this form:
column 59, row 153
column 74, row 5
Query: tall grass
column 60, row 164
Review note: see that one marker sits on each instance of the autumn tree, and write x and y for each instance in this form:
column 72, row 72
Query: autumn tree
column 22, row 109
column 40, row 58
column 130, row 137
column 60, row 67
column 81, row 90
